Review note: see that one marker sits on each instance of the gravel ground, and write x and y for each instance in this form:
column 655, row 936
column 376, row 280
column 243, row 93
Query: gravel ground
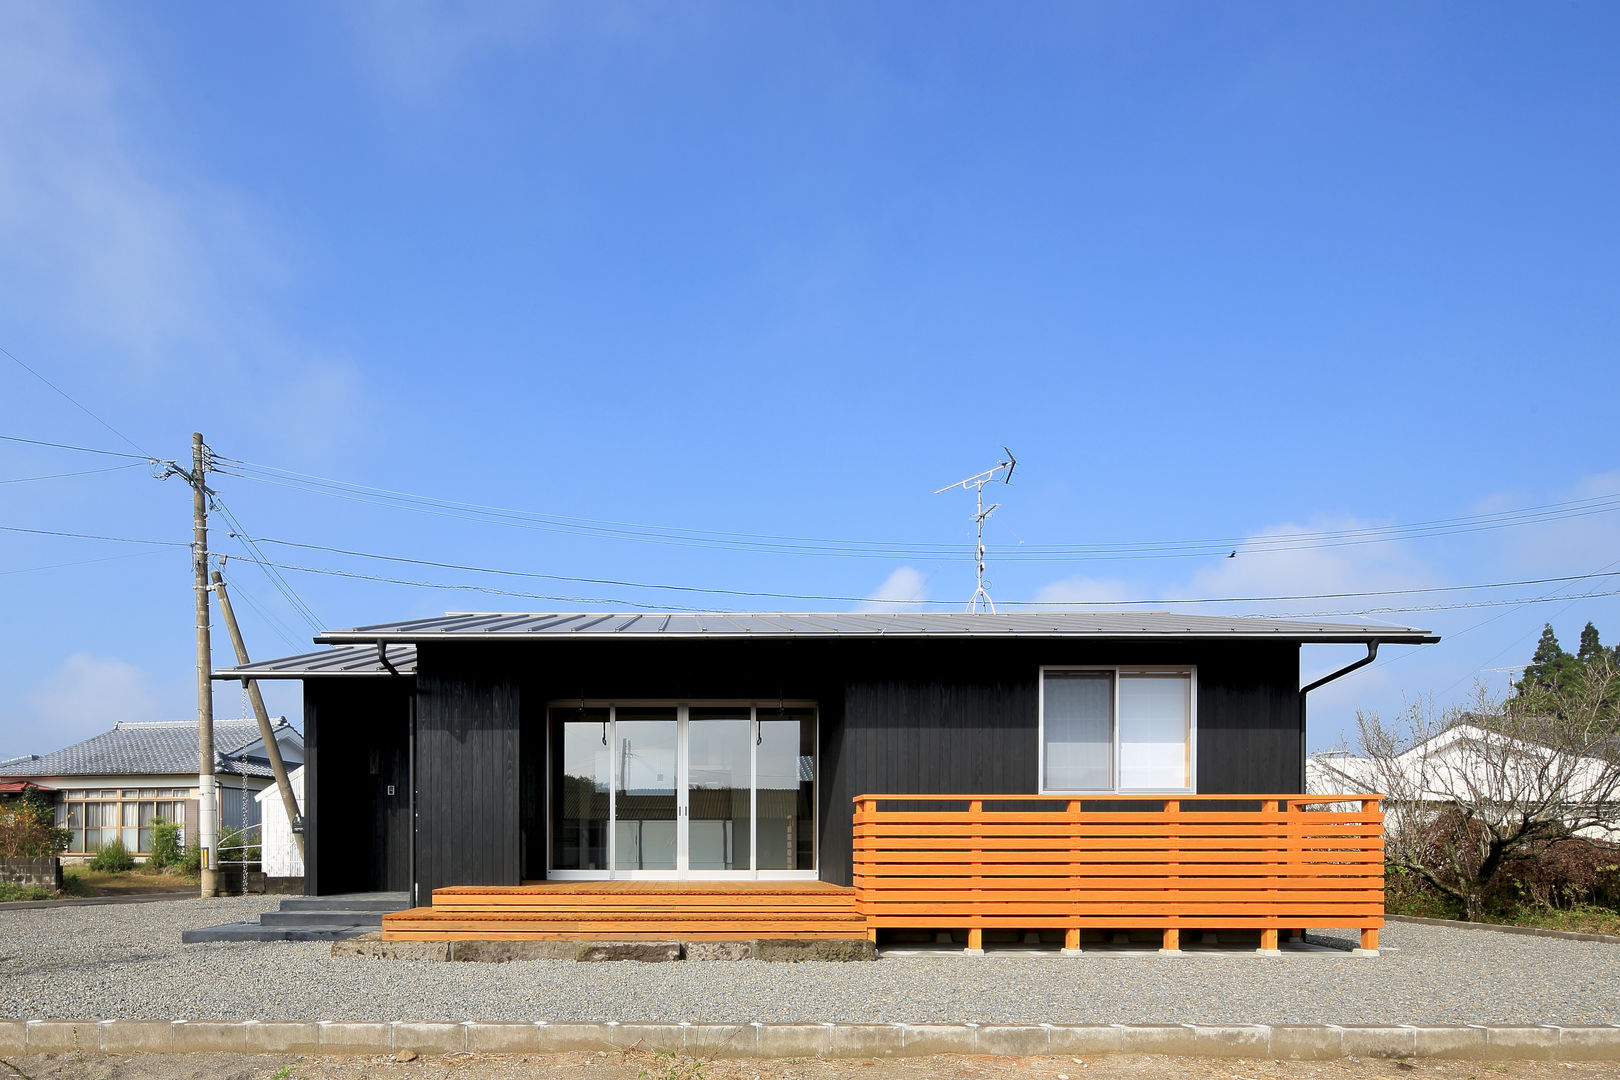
column 126, row 961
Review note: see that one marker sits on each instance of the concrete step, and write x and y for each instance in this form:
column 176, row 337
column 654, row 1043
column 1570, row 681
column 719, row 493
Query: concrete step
column 372, row 919
column 351, row 902
column 256, row 932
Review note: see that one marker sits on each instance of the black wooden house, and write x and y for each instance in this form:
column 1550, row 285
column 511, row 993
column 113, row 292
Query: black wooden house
column 494, row 749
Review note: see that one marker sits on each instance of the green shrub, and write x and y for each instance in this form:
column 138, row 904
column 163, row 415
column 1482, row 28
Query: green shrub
column 112, row 858
column 165, row 844
column 234, row 847
column 191, row 860
column 9, row 891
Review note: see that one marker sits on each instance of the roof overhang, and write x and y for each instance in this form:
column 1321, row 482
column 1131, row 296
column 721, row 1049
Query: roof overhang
column 345, row 661
column 575, row 626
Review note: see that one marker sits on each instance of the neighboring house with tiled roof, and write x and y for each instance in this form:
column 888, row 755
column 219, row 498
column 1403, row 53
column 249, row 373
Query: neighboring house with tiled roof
column 112, row 786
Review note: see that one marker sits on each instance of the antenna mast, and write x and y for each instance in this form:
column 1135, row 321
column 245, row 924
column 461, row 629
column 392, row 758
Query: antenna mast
column 981, row 597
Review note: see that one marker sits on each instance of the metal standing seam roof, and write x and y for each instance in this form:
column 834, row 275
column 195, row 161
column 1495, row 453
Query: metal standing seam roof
column 515, row 626
column 344, row 660
column 158, row 749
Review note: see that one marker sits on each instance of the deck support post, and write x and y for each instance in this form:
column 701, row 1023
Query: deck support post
column 1172, row 940
column 1369, row 941
column 1071, row 940
column 1268, row 940
column 975, row 943
column 975, row 940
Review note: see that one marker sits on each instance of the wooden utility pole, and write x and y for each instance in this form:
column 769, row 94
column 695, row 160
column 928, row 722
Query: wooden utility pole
column 207, row 803
column 272, row 749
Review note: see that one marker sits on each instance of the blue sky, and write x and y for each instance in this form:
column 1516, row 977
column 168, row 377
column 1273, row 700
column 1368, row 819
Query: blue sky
column 1212, row 271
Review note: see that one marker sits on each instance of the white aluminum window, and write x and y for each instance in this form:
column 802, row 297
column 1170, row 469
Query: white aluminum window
column 1118, row 729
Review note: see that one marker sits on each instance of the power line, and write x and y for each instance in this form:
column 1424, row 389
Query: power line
column 94, row 536
column 776, row 544
column 757, row 594
column 80, row 449
column 75, row 402
column 60, row 475
column 268, row 568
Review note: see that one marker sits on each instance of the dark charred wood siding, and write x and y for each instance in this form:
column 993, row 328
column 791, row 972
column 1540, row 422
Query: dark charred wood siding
column 356, row 744
column 468, row 795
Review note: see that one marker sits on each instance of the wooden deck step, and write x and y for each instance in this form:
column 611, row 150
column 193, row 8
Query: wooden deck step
column 633, row 911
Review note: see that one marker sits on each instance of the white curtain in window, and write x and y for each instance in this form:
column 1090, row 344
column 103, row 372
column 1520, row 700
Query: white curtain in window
column 1078, row 722
column 1154, row 711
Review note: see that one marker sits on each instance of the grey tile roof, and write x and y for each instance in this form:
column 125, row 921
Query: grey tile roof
column 168, row 748
column 516, row 626
column 346, row 660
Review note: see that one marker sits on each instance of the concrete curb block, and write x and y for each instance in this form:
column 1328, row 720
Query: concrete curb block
column 1292, row 1042
column 1498, row 928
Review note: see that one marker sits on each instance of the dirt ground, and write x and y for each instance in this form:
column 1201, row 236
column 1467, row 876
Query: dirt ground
column 640, row 1065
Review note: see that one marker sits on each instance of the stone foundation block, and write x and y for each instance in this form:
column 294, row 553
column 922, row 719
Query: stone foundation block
column 1449, row 1042
column 647, row 952
column 720, row 1040
column 208, row 1037
column 1156, row 1039
column 350, row 1038
column 63, row 1037
column 561, row 1038
column 1518, row 1042
column 719, row 950
column 1362, row 1040
column 284, row 1037
column 137, row 1037
column 1231, row 1040
column 430, row 1038
column 1078, row 1039
column 1575, row 1043
column 373, row 947
column 864, row 1040
column 13, row 1037
column 792, row 949
column 503, row 952
column 1306, row 1042
column 920, row 1039
column 514, row 1038
column 794, row 1040
column 1012, row 1039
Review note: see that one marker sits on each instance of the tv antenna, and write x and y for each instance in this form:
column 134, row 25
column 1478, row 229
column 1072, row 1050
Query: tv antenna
column 981, row 597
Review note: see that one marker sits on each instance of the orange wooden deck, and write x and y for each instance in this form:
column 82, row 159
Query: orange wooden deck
column 977, row 863
column 633, row 911
column 1217, row 862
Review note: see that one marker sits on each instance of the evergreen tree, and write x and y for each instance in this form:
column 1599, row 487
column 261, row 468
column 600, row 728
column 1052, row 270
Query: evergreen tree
column 1550, row 667
column 1591, row 648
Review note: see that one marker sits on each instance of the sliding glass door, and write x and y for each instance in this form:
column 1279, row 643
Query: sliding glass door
column 682, row 791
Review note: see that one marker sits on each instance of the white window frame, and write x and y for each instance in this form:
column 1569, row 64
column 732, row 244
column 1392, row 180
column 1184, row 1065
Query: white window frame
column 758, row 710
column 1115, row 670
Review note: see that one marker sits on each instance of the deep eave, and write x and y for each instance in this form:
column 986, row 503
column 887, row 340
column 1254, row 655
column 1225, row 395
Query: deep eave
column 513, row 626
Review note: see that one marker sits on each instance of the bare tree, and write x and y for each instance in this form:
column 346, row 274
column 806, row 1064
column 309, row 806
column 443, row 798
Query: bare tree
column 1471, row 791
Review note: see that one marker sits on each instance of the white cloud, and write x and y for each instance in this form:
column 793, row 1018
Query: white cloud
column 85, row 695
column 1086, row 590
column 904, row 589
column 417, row 49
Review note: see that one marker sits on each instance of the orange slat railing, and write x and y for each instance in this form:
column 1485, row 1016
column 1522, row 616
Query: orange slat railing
column 1173, row 862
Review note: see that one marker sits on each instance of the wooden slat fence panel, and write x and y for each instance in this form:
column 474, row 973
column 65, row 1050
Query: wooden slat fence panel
column 1267, row 862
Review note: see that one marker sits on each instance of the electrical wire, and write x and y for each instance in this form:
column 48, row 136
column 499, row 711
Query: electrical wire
column 281, row 584
column 755, row 594
column 75, row 402
column 1200, row 548
column 70, row 446
column 93, row 536
column 60, row 475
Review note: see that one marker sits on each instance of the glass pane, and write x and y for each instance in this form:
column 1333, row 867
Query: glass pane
column 75, row 815
column 179, row 817
column 145, row 841
column 644, row 795
column 717, row 773
column 147, row 793
column 131, row 840
column 148, row 812
column 77, row 843
column 132, row 814
column 1078, row 709
column 108, row 836
column 1154, row 719
column 786, row 760
column 579, row 784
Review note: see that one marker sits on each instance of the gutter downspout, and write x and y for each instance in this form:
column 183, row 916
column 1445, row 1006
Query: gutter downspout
column 1372, row 654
